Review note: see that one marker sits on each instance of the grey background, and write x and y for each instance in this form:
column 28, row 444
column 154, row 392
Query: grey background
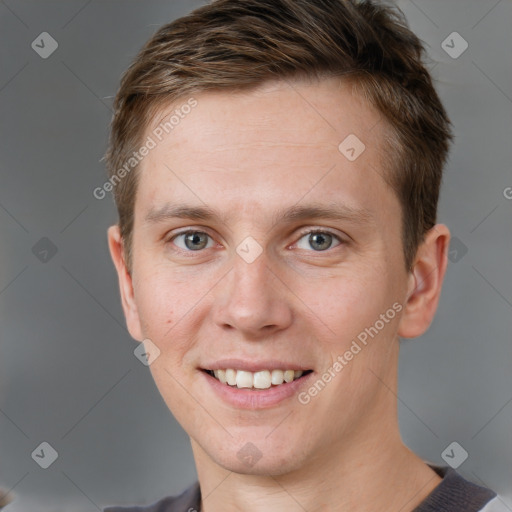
column 68, row 375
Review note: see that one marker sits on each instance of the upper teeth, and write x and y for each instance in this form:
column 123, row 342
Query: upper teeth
column 259, row 380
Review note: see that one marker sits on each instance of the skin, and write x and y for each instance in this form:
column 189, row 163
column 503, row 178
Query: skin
column 250, row 155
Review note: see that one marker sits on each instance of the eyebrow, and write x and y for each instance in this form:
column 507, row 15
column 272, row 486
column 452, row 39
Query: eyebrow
column 334, row 211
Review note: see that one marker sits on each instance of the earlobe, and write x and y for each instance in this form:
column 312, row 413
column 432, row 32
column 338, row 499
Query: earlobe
column 131, row 314
column 425, row 283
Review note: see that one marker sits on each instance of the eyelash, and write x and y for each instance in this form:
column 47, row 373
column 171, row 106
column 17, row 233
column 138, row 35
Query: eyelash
column 302, row 234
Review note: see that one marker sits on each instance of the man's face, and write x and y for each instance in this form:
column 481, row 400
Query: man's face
column 253, row 289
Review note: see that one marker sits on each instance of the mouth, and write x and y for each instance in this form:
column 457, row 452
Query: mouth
column 256, row 381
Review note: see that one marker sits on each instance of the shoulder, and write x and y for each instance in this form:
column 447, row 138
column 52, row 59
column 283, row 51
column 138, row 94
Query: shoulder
column 456, row 494
column 188, row 501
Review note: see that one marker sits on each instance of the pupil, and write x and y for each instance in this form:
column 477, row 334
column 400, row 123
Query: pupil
column 323, row 241
column 195, row 241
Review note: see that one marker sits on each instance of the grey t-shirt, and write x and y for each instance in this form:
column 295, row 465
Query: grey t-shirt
column 453, row 494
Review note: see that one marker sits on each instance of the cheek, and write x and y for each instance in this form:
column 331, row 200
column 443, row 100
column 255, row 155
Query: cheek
column 348, row 302
column 367, row 341
column 164, row 306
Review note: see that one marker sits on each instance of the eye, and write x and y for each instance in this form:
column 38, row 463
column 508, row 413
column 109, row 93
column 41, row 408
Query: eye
column 192, row 240
column 318, row 240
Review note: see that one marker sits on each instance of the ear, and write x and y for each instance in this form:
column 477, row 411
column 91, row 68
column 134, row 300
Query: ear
column 425, row 283
column 115, row 244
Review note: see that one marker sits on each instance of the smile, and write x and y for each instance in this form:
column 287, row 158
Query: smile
column 259, row 380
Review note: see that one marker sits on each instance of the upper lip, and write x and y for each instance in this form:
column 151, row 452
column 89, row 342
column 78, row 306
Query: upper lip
column 254, row 366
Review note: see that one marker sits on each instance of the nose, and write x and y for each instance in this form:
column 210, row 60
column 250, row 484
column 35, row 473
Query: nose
column 253, row 300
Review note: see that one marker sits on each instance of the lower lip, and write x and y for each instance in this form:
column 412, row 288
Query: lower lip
column 256, row 399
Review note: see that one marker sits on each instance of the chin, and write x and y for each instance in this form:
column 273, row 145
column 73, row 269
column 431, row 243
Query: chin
column 260, row 468
column 267, row 461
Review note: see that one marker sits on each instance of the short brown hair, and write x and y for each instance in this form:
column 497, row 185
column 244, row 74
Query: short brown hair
column 239, row 44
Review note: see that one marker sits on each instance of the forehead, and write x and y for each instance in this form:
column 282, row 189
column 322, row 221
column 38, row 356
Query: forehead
column 272, row 145
column 329, row 107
